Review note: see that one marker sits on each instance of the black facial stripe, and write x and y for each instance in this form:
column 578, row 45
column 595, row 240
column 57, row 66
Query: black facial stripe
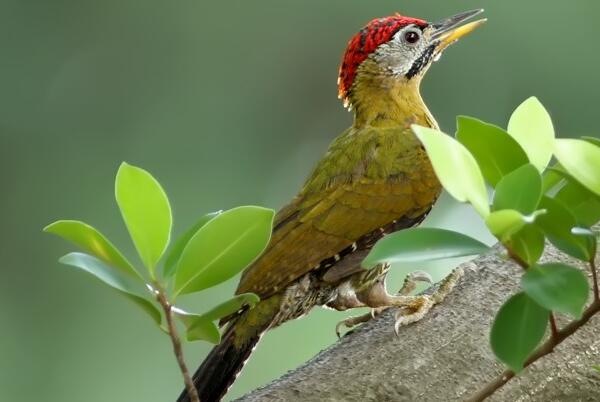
column 421, row 62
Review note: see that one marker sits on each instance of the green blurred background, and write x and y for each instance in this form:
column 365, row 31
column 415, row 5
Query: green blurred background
column 226, row 103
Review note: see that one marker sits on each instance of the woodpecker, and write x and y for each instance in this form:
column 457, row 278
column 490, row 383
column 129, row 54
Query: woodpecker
column 374, row 179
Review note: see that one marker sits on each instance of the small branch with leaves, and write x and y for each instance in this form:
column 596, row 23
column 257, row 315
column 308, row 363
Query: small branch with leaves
column 531, row 203
column 212, row 251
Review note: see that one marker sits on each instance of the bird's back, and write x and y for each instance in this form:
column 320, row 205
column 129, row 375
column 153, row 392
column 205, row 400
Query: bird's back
column 369, row 177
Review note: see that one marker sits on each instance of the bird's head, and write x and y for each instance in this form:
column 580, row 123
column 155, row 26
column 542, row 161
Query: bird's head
column 398, row 48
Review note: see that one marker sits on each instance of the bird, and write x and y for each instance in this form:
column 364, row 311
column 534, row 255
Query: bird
column 374, row 179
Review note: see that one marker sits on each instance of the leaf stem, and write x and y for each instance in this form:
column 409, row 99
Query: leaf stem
column 546, row 348
column 177, row 349
column 553, row 327
column 515, row 257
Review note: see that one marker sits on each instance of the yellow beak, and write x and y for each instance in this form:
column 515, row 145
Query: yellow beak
column 448, row 31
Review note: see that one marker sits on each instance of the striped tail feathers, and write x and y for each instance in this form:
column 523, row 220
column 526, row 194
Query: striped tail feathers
column 223, row 364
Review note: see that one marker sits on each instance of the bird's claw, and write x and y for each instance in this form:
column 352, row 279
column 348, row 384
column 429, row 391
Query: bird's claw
column 338, row 326
column 351, row 322
column 411, row 280
column 398, row 322
column 420, row 276
column 422, row 304
column 412, row 313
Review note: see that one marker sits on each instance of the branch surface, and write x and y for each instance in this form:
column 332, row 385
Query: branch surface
column 446, row 356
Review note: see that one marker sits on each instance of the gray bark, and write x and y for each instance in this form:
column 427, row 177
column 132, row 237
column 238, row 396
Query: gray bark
column 446, row 356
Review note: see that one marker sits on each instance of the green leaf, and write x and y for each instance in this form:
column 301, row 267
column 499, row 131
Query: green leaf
column 590, row 239
column 531, row 126
column 496, row 152
column 582, row 160
column 92, row 241
column 205, row 331
column 557, row 224
column 223, row 247
column 518, row 328
column 520, row 190
column 506, row 222
column 528, row 244
column 557, row 287
column 596, row 367
column 232, row 306
column 455, row 167
column 422, row 244
column 583, row 204
column 592, row 140
column 114, row 278
column 146, row 212
column 177, row 248
column 199, row 328
column 552, row 177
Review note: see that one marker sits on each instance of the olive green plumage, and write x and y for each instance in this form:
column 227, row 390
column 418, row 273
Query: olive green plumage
column 368, row 178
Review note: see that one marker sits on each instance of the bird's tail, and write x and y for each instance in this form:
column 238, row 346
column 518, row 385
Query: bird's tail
column 222, row 365
column 218, row 371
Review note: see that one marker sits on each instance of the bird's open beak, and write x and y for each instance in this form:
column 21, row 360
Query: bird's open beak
column 449, row 30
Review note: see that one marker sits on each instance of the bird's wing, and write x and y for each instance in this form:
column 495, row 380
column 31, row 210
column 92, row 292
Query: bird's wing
column 329, row 217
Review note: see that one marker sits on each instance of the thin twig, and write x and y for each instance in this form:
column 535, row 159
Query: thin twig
column 595, row 279
column 177, row 349
column 545, row 349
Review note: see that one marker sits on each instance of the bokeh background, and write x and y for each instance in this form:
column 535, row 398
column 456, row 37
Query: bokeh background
column 226, row 103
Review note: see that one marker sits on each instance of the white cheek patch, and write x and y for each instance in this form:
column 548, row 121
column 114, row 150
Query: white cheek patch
column 396, row 58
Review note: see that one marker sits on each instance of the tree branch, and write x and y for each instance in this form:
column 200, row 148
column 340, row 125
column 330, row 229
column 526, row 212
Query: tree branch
column 446, row 356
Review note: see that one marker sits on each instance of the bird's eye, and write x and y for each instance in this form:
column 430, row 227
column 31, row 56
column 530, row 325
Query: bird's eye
column 411, row 37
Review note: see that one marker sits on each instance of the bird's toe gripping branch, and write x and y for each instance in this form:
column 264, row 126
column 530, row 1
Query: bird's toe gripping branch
column 410, row 308
column 422, row 304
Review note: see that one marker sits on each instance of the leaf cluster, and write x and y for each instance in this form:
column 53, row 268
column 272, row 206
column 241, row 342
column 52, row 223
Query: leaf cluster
column 533, row 200
column 217, row 247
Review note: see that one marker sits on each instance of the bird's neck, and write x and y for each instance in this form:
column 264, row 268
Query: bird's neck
column 383, row 100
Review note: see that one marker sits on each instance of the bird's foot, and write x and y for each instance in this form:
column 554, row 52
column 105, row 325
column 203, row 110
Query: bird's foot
column 410, row 283
column 421, row 305
column 351, row 322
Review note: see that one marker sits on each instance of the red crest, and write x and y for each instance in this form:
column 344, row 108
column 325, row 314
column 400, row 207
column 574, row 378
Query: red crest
column 375, row 33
